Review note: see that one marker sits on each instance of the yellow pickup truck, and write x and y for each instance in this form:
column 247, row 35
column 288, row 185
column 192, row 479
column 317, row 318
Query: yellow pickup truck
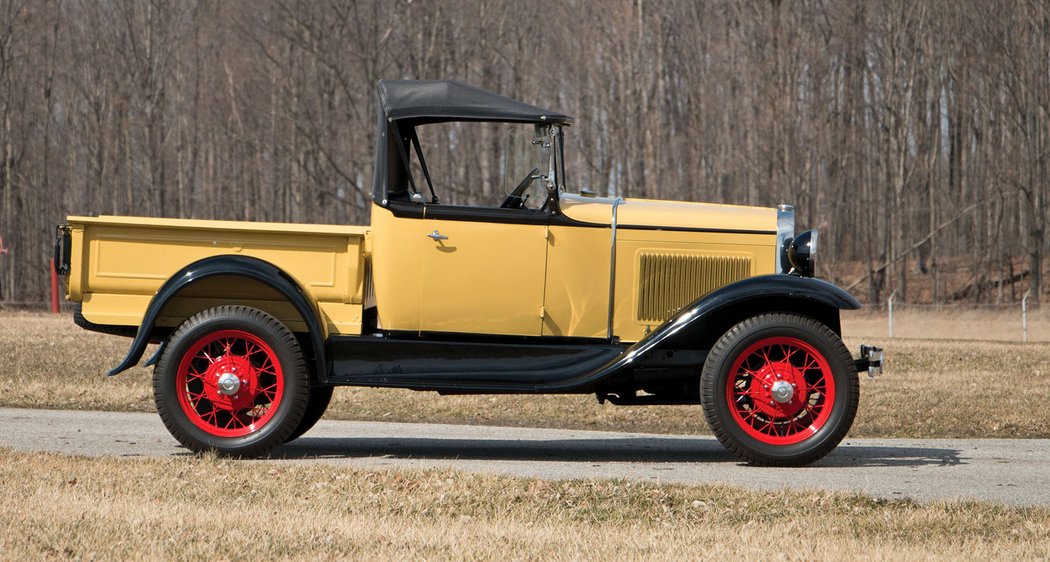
column 539, row 288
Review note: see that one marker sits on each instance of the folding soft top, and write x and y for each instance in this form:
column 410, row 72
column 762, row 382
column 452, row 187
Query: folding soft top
column 417, row 102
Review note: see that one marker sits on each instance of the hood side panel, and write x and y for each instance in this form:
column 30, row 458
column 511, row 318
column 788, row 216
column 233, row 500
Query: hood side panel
column 647, row 213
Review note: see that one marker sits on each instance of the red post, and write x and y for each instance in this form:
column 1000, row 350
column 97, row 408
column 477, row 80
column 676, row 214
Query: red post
column 54, row 288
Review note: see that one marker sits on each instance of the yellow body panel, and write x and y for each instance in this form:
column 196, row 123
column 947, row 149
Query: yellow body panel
column 397, row 269
column 577, row 294
column 631, row 244
column 119, row 263
column 486, row 278
column 578, row 275
column 670, row 214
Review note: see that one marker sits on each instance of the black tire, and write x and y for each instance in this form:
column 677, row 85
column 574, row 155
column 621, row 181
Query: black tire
column 250, row 416
column 798, row 426
column 320, row 397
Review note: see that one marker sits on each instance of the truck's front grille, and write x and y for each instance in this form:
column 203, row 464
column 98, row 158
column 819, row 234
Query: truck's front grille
column 668, row 281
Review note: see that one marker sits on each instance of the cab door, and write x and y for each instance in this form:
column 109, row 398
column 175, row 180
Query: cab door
column 483, row 270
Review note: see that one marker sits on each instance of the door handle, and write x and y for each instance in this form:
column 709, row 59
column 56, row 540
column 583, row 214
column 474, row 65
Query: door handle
column 437, row 235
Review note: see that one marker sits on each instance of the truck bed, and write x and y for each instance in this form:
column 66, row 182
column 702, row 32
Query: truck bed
column 117, row 264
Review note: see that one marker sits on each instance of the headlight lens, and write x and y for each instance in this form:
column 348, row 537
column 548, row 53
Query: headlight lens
column 802, row 253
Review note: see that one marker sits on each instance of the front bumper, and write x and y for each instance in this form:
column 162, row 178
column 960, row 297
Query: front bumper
column 870, row 360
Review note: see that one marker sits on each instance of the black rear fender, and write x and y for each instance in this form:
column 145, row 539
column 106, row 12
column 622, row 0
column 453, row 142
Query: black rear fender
column 202, row 277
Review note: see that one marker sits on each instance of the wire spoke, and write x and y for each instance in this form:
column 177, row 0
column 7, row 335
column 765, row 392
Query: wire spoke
column 795, row 361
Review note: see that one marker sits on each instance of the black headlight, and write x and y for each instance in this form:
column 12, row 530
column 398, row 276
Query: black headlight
column 802, row 253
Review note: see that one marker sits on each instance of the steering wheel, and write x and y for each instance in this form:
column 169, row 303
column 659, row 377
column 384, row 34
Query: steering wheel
column 514, row 199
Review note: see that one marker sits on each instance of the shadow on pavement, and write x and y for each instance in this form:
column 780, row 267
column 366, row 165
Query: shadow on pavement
column 641, row 449
column 862, row 455
column 635, row 449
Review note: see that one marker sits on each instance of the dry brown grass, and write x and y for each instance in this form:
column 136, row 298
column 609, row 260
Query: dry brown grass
column 204, row 508
column 933, row 387
column 926, row 322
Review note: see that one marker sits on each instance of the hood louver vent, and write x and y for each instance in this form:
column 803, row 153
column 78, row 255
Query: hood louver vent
column 667, row 282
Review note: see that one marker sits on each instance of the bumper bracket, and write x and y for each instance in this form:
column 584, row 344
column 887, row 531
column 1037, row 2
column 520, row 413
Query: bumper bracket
column 871, row 358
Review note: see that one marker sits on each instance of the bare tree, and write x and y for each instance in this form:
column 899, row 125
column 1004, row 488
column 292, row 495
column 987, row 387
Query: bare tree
column 913, row 134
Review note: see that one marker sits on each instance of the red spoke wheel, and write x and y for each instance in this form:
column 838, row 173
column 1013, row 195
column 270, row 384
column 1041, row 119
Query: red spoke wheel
column 779, row 389
column 230, row 383
column 232, row 379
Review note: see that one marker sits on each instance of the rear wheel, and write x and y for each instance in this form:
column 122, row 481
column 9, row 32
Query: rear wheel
column 232, row 379
column 320, row 397
column 779, row 390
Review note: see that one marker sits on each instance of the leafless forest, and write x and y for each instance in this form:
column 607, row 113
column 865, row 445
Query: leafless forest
column 915, row 134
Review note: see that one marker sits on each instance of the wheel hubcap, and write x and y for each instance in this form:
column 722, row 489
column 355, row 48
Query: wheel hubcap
column 229, row 384
column 780, row 390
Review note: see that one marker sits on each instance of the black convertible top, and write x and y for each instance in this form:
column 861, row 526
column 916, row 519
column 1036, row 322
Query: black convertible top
column 418, row 102
column 406, row 104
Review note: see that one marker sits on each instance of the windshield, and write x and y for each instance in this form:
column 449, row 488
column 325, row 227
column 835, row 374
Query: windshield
column 529, row 165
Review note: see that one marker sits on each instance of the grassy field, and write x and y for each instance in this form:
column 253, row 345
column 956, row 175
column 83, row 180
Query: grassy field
column 205, row 508
column 933, row 387
column 927, row 322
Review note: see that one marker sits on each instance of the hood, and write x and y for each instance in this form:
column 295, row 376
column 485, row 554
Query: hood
column 650, row 213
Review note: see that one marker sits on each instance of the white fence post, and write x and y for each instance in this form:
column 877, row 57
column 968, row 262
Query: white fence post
column 889, row 305
column 1024, row 314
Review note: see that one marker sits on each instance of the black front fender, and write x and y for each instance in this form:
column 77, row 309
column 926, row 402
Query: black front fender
column 710, row 316
column 241, row 266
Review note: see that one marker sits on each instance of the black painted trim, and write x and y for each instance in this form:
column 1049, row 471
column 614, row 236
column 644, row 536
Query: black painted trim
column 499, row 215
column 63, row 249
column 468, row 214
column 486, row 214
column 243, row 266
column 460, row 337
column 691, row 229
column 561, row 219
column 461, row 366
column 404, row 210
column 156, row 354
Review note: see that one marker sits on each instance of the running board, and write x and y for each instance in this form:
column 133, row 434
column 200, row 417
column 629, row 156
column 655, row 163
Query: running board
column 460, row 367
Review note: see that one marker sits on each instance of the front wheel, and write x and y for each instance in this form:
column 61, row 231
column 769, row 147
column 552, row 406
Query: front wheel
column 779, row 390
column 232, row 379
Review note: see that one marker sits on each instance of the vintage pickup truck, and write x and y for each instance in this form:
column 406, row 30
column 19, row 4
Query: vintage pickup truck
column 542, row 289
